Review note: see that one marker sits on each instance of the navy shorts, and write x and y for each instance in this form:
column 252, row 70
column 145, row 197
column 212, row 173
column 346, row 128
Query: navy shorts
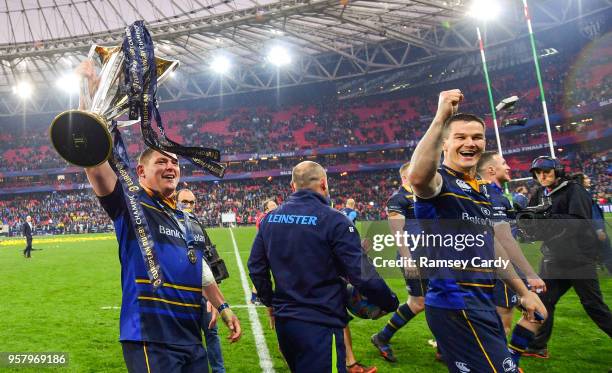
column 310, row 347
column 417, row 287
column 144, row 357
column 470, row 340
column 504, row 296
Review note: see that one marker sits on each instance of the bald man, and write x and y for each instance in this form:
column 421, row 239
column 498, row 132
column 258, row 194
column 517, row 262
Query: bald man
column 350, row 211
column 307, row 245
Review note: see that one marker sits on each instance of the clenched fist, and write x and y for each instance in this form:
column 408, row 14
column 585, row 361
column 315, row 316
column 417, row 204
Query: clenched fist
column 448, row 104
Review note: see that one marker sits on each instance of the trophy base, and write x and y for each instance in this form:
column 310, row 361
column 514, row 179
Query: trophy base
column 81, row 138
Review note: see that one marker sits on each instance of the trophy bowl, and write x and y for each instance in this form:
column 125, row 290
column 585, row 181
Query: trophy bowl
column 81, row 138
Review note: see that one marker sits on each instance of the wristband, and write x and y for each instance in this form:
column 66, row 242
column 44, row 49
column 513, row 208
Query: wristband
column 222, row 307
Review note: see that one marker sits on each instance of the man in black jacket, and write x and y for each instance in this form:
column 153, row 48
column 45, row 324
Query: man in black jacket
column 569, row 248
column 27, row 232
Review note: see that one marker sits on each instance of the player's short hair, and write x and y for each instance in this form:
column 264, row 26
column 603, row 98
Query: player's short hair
column 404, row 168
column 146, row 154
column 264, row 204
column 350, row 202
column 461, row 117
column 485, row 159
column 306, row 173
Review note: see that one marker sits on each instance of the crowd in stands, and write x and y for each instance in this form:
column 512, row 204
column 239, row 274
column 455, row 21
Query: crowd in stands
column 79, row 211
column 570, row 82
column 402, row 115
column 55, row 213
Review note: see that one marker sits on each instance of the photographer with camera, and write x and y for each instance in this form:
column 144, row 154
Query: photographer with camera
column 559, row 214
column 186, row 201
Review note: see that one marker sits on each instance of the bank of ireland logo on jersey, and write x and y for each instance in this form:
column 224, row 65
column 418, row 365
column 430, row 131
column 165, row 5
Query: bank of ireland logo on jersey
column 462, row 366
column 485, row 211
column 463, row 185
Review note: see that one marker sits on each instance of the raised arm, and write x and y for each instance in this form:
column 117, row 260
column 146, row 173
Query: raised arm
column 422, row 174
column 102, row 177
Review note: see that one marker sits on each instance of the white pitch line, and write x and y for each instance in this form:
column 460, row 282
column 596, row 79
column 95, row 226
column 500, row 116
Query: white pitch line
column 265, row 362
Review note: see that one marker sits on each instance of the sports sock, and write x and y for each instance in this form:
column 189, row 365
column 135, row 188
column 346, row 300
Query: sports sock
column 520, row 339
column 400, row 318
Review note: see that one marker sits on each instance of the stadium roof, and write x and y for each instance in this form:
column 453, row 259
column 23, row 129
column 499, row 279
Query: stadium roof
column 327, row 39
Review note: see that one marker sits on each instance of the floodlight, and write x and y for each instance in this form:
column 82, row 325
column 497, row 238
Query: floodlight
column 484, row 9
column 69, row 83
column 23, row 89
column 278, row 56
column 220, row 65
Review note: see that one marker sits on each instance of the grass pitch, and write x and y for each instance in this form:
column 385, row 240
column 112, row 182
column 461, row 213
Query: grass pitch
column 67, row 298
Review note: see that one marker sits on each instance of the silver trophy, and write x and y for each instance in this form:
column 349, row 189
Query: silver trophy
column 82, row 137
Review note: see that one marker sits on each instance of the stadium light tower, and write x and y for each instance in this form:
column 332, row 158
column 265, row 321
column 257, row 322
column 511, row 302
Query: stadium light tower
column 220, row 65
column 23, row 89
column 486, row 10
column 278, row 56
column 539, row 78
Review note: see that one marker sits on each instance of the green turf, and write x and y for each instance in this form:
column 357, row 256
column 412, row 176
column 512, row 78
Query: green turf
column 65, row 299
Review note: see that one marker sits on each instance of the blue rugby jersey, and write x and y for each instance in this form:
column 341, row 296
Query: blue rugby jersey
column 172, row 313
column 402, row 202
column 350, row 213
column 462, row 207
column 502, row 207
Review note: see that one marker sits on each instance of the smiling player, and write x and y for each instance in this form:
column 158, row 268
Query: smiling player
column 451, row 199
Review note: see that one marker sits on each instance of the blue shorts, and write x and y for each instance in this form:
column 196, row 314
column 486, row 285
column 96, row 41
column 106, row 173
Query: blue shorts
column 163, row 358
column 504, row 296
column 470, row 340
column 309, row 347
column 417, row 287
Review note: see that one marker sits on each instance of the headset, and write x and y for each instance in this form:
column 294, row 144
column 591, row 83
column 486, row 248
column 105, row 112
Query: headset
column 546, row 162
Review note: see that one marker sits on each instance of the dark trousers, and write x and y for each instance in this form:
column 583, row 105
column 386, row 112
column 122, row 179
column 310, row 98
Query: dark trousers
column 308, row 347
column 27, row 252
column 605, row 252
column 213, row 344
column 148, row 357
column 588, row 291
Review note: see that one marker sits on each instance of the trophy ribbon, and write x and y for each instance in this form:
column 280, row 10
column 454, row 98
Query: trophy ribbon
column 120, row 163
column 140, row 79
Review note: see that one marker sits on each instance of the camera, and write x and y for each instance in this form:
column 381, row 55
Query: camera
column 528, row 220
column 216, row 264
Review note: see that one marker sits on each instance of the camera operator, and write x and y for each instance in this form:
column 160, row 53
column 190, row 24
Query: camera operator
column 560, row 216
